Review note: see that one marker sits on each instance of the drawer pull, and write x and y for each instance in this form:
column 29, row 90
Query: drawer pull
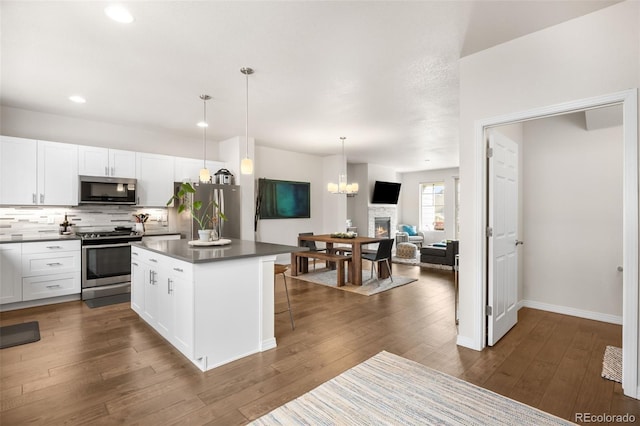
column 153, row 260
column 135, row 253
column 54, row 286
column 54, row 264
column 134, row 263
column 54, row 247
column 178, row 269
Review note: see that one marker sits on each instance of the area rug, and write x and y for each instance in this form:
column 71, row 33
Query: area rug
column 19, row 334
column 390, row 390
column 612, row 364
column 369, row 286
column 412, row 261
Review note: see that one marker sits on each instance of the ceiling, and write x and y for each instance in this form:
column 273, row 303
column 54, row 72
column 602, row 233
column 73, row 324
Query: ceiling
column 382, row 74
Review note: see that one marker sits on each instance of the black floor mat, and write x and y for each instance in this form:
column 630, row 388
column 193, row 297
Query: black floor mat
column 108, row 300
column 19, row 334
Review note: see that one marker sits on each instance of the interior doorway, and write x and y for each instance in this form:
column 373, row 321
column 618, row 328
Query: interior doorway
column 628, row 101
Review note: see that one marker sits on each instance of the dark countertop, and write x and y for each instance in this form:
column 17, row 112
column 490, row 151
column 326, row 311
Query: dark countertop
column 181, row 250
column 36, row 238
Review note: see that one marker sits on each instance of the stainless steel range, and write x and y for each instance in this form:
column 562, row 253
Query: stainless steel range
column 106, row 262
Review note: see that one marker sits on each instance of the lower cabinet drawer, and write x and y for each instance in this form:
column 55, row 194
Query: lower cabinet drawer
column 49, row 263
column 50, row 286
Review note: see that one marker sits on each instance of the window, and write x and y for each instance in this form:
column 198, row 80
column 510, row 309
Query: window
column 432, row 206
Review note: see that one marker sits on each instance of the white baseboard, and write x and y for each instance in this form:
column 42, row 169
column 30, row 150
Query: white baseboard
column 565, row 310
column 267, row 344
column 467, row 342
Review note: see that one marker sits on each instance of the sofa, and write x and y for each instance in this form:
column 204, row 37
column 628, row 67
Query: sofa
column 409, row 234
column 440, row 253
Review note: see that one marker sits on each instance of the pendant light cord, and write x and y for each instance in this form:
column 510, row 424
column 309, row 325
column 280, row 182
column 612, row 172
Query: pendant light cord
column 247, row 121
column 204, row 138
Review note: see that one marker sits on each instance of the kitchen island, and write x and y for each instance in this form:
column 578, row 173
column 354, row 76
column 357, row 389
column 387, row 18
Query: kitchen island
column 214, row 304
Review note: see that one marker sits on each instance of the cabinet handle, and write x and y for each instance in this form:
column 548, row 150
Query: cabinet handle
column 54, row 264
column 106, row 171
column 134, row 253
column 41, row 198
column 134, row 263
column 150, row 277
column 169, row 286
column 153, row 260
column 54, row 247
column 113, row 171
column 33, row 198
column 54, row 286
column 178, row 269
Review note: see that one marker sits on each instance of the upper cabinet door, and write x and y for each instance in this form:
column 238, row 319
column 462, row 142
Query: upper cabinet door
column 122, row 163
column 96, row 161
column 155, row 179
column 93, row 161
column 57, row 174
column 18, row 171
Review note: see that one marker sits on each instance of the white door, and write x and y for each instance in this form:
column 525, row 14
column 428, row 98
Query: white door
column 502, row 240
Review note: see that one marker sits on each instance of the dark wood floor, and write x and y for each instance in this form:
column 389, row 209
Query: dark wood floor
column 106, row 366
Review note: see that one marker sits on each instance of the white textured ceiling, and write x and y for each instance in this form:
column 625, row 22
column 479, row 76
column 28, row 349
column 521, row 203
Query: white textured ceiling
column 383, row 74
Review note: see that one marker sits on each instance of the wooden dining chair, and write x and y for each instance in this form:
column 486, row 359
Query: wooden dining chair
column 382, row 254
column 279, row 268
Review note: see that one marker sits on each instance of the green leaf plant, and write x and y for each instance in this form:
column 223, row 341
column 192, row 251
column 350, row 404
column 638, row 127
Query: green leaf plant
column 184, row 197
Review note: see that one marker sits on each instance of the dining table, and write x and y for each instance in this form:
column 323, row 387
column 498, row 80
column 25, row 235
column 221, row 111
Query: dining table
column 355, row 245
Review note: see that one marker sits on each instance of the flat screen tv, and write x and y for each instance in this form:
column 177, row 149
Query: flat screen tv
column 385, row 192
column 283, row 199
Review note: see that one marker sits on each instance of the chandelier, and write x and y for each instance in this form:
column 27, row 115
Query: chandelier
column 342, row 187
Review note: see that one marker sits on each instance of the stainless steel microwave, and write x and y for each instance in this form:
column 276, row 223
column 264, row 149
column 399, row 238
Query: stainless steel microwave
column 107, row 190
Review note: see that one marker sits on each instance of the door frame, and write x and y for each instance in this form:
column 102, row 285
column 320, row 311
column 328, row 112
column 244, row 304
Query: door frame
column 629, row 101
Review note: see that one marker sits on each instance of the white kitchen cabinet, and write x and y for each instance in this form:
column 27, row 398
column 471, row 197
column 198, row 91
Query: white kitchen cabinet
column 38, row 172
column 137, row 284
column 50, row 269
column 162, row 294
column 188, row 169
column 18, row 171
column 10, row 273
column 97, row 161
column 155, row 179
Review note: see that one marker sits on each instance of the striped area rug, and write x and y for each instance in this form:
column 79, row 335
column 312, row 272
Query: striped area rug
column 391, row 390
column 612, row 364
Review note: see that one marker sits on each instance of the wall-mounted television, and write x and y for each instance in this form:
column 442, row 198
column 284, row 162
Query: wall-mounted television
column 283, row 199
column 385, row 192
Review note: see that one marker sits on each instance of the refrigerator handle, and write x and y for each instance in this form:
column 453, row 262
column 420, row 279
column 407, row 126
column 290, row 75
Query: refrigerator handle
column 221, row 204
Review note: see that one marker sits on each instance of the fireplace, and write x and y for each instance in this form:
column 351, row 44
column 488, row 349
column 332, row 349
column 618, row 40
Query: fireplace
column 382, row 226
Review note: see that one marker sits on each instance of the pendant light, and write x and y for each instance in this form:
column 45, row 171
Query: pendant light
column 246, row 166
column 205, row 175
column 343, row 187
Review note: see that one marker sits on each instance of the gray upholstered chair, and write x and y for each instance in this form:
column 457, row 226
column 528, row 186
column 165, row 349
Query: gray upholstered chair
column 404, row 236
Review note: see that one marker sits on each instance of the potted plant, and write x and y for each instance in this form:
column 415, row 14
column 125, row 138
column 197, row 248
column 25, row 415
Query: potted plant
column 203, row 216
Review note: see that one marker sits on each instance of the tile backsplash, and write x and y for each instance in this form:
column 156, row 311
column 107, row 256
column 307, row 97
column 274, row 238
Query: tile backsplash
column 33, row 221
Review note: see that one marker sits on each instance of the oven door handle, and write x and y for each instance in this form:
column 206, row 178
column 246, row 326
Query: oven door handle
column 106, row 245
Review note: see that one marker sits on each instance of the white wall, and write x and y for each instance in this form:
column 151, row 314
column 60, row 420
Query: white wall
column 410, row 197
column 589, row 56
column 37, row 125
column 573, row 215
column 274, row 163
column 357, row 206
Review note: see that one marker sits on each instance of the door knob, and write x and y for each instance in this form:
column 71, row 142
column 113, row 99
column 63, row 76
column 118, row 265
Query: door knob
column 518, row 242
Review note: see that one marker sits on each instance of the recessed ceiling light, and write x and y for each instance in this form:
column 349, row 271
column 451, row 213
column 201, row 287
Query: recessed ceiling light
column 202, row 124
column 119, row 13
column 77, row 99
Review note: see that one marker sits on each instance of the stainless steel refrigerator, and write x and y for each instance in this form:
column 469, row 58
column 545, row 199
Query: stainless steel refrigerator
column 227, row 197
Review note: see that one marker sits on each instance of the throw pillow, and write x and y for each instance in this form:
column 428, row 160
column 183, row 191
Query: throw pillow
column 410, row 230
